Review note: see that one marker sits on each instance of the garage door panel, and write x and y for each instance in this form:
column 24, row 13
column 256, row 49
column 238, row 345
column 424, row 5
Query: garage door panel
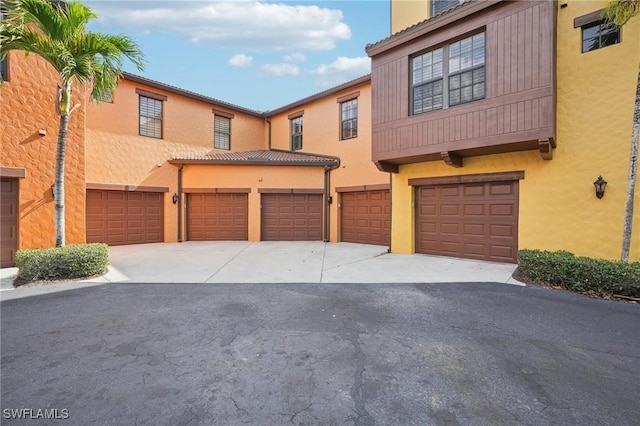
column 291, row 217
column 217, row 217
column 483, row 227
column 366, row 217
column 119, row 217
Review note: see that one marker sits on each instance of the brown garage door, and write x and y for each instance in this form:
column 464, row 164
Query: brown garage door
column 366, row 217
column 217, row 217
column 475, row 220
column 123, row 217
column 8, row 221
column 291, row 217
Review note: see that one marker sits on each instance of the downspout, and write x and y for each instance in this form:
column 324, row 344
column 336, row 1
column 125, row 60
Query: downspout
column 268, row 120
column 327, row 196
column 180, row 203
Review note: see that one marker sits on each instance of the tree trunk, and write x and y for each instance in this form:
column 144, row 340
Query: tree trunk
column 633, row 173
column 64, row 99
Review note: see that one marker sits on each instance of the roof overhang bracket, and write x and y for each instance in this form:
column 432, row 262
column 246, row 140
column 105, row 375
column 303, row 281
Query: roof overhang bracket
column 546, row 148
column 385, row 166
column 451, row 159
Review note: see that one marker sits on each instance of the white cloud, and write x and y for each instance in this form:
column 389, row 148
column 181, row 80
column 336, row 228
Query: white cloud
column 249, row 24
column 341, row 70
column 241, row 60
column 280, row 69
column 295, row 57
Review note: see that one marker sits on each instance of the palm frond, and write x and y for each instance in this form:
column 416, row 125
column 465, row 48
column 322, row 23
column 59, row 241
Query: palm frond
column 617, row 13
column 56, row 31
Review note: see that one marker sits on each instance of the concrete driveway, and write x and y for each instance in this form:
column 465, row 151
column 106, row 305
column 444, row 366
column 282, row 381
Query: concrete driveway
column 311, row 354
column 292, row 262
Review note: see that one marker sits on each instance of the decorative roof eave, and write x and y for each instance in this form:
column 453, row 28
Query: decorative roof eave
column 320, row 95
column 178, row 161
column 272, row 157
column 467, row 8
column 189, row 94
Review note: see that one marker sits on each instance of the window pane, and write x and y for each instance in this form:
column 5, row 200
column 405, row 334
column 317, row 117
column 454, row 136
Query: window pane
column 454, row 82
column 478, row 41
column 454, row 97
column 437, row 55
column 466, row 79
column 590, row 32
column 454, row 64
column 609, row 36
column 466, row 94
column 437, row 70
column 437, row 102
column 478, row 91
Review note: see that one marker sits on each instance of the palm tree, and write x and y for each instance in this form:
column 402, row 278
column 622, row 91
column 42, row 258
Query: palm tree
column 56, row 31
column 618, row 13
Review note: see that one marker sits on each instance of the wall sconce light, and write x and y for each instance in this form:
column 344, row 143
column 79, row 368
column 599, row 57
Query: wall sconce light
column 175, row 198
column 600, row 185
column 42, row 132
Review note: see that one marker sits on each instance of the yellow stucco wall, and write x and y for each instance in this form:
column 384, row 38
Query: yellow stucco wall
column 116, row 154
column 27, row 105
column 558, row 207
column 405, row 13
column 254, row 178
column 321, row 135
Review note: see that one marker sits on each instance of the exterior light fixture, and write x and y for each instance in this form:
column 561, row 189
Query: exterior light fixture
column 175, row 198
column 600, row 185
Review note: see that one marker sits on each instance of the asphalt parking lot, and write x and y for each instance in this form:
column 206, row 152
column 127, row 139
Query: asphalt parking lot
column 272, row 354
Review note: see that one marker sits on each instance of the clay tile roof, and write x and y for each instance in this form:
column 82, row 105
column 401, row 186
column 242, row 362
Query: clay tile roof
column 437, row 17
column 271, row 157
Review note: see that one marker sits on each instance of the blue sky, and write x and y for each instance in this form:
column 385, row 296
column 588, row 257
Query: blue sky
column 256, row 54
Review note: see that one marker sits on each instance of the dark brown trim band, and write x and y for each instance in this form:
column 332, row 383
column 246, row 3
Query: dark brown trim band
column 128, row 188
column 13, row 172
column 295, row 115
column 151, row 95
column 587, row 19
column 360, row 188
column 217, row 190
column 348, row 97
column 478, row 178
column 222, row 113
column 315, row 163
column 290, row 191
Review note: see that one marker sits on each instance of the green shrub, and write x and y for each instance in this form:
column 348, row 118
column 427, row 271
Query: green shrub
column 581, row 274
column 72, row 261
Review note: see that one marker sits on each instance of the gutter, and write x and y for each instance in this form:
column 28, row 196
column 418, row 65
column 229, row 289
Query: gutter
column 328, row 199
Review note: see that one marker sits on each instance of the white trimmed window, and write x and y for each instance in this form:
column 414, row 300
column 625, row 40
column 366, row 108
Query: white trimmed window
column 349, row 119
column 150, row 117
column 450, row 75
column 221, row 132
column 296, row 133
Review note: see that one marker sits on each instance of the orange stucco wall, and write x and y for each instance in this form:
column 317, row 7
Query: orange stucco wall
column 254, row 178
column 116, row 154
column 27, row 105
column 321, row 135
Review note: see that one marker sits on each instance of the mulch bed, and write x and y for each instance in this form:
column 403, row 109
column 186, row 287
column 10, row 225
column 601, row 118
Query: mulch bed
column 524, row 278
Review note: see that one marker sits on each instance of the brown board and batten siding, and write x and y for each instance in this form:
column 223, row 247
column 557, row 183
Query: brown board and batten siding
column 518, row 110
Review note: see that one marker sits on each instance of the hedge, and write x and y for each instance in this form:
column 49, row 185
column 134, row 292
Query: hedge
column 72, row 261
column 581, row 274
